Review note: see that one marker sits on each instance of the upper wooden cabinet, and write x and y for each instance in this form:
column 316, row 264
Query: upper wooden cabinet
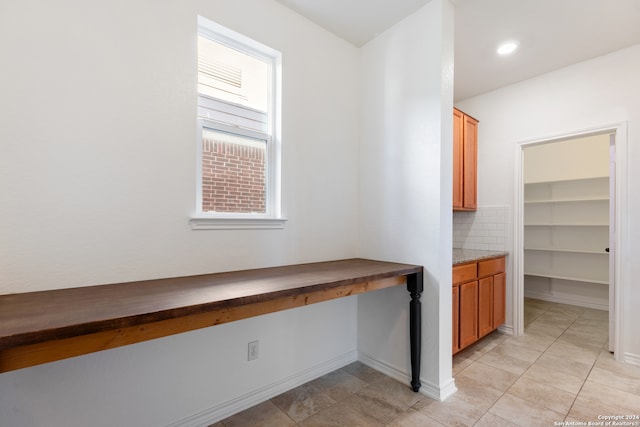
column 465, row 160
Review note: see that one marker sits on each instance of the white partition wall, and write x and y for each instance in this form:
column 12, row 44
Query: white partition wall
column 405, row 189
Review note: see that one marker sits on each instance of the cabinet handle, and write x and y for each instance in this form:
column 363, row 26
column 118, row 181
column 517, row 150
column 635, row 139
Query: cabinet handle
column 606, row 249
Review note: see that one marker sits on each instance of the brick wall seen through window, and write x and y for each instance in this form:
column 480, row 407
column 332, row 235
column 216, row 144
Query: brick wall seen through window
column 233, row 173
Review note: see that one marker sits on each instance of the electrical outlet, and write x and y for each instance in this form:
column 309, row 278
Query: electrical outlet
column 252, row 353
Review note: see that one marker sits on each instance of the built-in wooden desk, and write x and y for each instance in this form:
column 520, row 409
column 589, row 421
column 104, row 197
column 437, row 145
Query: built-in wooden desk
column 41, row 327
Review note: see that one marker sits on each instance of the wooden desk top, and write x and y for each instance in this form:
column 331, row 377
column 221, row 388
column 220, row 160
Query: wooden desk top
column 38, row 317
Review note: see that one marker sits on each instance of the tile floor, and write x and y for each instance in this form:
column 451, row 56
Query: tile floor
column 560, row 370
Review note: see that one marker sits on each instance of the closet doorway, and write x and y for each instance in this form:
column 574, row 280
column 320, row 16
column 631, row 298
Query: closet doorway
column 566, row 224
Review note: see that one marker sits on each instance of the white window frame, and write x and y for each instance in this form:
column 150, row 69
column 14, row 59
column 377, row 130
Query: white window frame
column 272, row 218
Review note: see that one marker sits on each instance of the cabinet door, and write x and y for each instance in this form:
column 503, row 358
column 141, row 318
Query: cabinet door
column 470, row 162
column 485, row 306
column 456, row 314
column 468, row 313
column 499, row 299
column 458, row 125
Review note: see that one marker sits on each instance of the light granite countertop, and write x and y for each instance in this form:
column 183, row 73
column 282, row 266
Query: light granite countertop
column 462, row 256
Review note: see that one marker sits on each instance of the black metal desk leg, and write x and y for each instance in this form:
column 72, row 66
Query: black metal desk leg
column 415, row 288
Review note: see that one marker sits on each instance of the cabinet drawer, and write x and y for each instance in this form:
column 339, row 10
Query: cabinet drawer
column 490, row 267
column 465, row 272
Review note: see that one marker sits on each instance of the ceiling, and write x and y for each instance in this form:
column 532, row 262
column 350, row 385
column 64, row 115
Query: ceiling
column 551, row 33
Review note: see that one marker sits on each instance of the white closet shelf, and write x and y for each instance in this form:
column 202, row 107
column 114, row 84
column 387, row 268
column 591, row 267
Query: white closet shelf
column 569, row 200
column 566, row 225
column 572, row 278
column 548, row 224
column 555, row 181
column 575, row 251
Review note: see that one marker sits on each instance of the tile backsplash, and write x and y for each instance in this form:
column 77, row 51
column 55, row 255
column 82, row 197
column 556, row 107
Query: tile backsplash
column 486, row 228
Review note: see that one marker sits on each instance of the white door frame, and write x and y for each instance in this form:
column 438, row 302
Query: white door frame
column 612, row 238
column 620, row 247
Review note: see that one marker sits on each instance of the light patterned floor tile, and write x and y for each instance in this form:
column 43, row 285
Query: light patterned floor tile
column 496, row 378
column 592, row 313
column 583, row 354
column 510, row 349
column 491, row 420
column 302, row 402
column 483, row 346
column 607, row 362
column 338, row 415
column 559, row 317
column 502, row 381
column 268, row 414
column 570, row 367
column 413, row 418
column 585, row 410
column 451, row 412
column 589, row 341
column 532, row 341
column 607, row 395
column 476, row 393
column 543, row 394
column 338, row 385
column 376, row 405
column 615, row 380
column 505, row 362
column 363, row 372
column 524, row 413
column 399, row 393
column 540, row 329
column 511, row 357
column 566, row 310
column 460, row 363
column 555, row 378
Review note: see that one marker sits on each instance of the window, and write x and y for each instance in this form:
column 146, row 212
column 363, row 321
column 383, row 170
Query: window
column 238, row 144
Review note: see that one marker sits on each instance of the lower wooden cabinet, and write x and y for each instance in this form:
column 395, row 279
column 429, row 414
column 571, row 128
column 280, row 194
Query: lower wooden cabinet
column 485, row 306
column 478, row 300
column 499, row 299
column 468, row 333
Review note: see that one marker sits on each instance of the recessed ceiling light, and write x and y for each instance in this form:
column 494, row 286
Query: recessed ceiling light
column 507, row 48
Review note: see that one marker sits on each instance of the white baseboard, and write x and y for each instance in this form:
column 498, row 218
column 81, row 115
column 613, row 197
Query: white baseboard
column 587, row 302
column 390, row 371
column 428, row 389
column 447, row 389
column 506, row 329
column 631, row 359
column 246, row 401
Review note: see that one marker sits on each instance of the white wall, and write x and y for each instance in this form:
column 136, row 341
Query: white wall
column 405, row 196
column 589, row 95
column 97, row 176
column 576, row 158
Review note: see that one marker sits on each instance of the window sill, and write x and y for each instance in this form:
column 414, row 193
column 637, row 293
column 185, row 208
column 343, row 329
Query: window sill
column 236, row 223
